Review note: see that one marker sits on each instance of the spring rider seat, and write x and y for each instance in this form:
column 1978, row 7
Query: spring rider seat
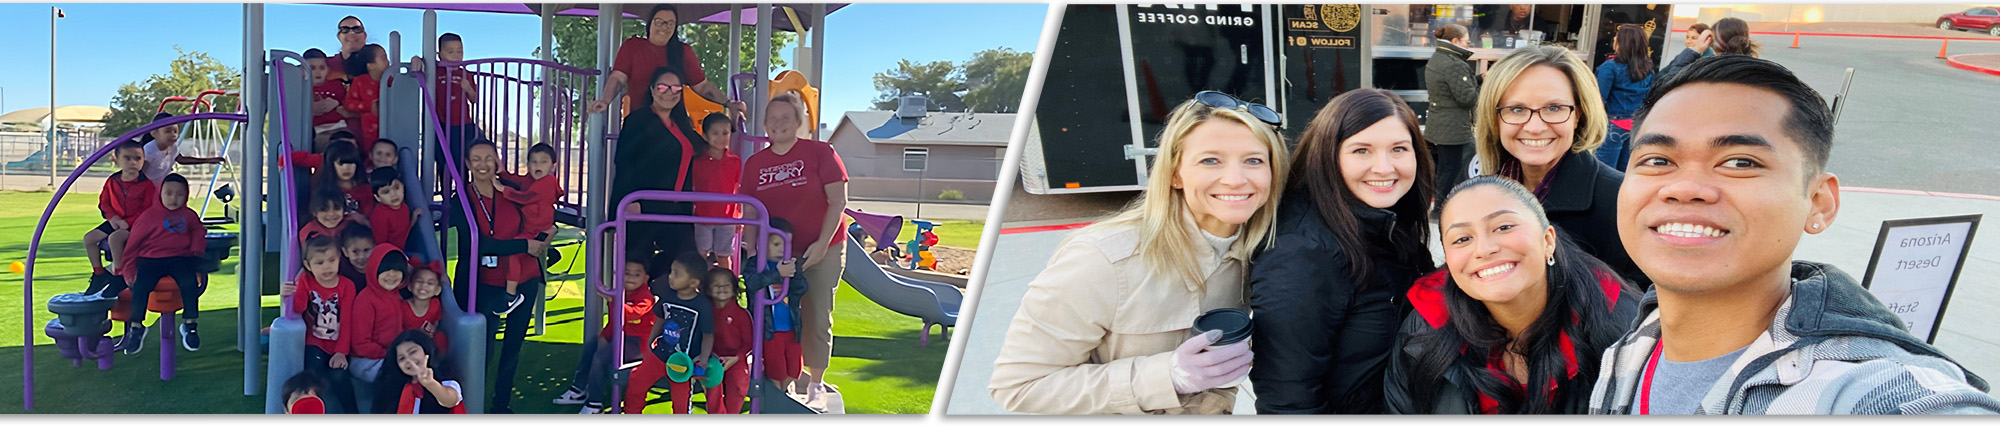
column 79, row 328
column 166, row 300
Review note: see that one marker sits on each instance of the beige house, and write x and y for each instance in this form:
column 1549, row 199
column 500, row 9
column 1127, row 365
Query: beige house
column 928, row 157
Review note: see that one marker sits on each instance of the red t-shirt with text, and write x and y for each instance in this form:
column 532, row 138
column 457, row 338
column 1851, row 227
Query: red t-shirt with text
column 793, row 187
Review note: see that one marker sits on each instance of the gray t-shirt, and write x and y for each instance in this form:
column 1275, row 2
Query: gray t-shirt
column 1679, row 386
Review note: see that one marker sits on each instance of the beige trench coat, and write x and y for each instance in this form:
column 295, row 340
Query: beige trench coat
column 1096, row 329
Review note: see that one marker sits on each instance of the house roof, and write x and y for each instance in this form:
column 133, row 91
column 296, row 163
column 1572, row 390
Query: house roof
column 68, row 113
column 935, row 128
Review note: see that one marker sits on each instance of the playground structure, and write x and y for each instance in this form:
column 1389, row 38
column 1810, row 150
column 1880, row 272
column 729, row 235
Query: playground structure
column 522, row 101
column 936, row 304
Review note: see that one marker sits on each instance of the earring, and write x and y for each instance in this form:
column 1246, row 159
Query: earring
column 1815, row 226
column 1552, row 260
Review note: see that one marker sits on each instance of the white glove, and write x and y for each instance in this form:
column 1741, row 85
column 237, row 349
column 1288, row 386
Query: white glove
column 1194, row 367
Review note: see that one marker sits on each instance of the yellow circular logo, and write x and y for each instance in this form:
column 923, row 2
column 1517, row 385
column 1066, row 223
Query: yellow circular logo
column 1340, row 17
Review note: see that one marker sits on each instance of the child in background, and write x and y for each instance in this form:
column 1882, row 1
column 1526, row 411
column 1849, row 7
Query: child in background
column 340, row 171
column 163, row 151
column 365, row 66
column 325, row 301
column 302, row 394
column 537, row 194
column 686, row 326
column 783, row 353
column 329, row 216
column 716, row 170
column 391, row 219
column 327, row 94
column 357, row 244
column 167, row 241
column 426, row 310
column 381, row 154
column 417, row 379
column 378, row 317
column 456, row 93
column 587, row 386
column 733, row 339
column 125, row 196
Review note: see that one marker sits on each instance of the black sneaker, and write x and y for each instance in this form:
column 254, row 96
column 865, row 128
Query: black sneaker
column 134, row 339
column 98, row 282
column 190, row 340
column 513, row 303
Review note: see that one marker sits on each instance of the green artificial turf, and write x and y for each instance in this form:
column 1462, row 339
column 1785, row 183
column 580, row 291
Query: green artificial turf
column 877, row 362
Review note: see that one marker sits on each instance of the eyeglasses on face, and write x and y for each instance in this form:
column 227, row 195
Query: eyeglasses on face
column 664, row 88
column 1226, row 101
column 356, row 29
column 1552, row 114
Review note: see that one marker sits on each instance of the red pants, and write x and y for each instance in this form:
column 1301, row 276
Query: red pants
column 781, row 356
column 728, row 399
column 650, row 371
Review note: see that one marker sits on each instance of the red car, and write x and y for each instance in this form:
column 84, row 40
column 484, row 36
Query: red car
column 1979, row 18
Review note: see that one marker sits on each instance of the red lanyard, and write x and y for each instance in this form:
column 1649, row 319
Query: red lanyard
column 1646, row 381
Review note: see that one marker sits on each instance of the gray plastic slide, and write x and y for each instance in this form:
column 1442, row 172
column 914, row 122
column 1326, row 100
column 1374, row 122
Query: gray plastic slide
column 935, row 303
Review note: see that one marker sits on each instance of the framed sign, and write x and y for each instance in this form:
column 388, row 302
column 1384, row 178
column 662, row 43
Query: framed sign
column 1917, row 261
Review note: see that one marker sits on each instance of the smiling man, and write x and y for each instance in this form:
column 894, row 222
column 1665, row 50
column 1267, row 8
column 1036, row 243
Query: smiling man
column 1728, row 170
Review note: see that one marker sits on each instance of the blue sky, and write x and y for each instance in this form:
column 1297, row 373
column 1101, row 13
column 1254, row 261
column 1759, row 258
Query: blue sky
column 101, row 46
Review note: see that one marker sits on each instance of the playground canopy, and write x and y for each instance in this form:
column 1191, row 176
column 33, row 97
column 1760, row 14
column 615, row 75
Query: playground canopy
column 72, row 114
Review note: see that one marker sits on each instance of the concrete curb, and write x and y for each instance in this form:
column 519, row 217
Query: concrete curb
column 1956, row 63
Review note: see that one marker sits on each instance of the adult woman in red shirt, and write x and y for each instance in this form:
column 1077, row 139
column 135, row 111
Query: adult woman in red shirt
column 804, row 182
column 497, row 217
column 662, row 47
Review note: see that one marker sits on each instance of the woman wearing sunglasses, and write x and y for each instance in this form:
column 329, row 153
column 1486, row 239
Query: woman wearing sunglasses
column 654, row 148
column 353, row 36
column 1105, row 329
column 1539, row 116
column 1351, row 239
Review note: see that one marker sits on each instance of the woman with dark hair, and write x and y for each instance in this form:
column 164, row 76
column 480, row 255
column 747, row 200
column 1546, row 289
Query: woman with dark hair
column 496, row 216
column 1350, row 240
column 662, row 47
column 1517, row 321
column 1453, row 89
column 1732, row 36
column 416, row 380
column 1623, row 82
column 654, row 148
column 1699, row 37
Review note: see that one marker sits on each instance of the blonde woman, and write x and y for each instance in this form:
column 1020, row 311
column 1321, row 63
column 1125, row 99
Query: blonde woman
column 1105, row 328
column 1539, row 117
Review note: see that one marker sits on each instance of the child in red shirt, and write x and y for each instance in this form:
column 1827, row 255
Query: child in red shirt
column 587, row 386
column 378, row 316
column 329, row 217
column 327, row 94
column 538, row 216
column 716, row 170
column 391, row 219
column 357, row 245
column 124, row 198
column 325, row 301
column 167, row 241
column 365, row 66
column 733, row 338
column 426, row 310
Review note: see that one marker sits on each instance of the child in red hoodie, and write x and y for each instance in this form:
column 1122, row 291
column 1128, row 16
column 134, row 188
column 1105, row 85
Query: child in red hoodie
column 127, row 195
column 167, row 241
column 326, row 302
column 733, row 338
column 426, row 310
column 587, row 386
column 391, row 219
column 538, row 216
column 716, row 170
column 378, row 317
column 365, row 66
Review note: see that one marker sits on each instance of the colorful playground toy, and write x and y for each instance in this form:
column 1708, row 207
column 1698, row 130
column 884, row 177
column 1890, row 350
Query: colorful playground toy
column 920, row 246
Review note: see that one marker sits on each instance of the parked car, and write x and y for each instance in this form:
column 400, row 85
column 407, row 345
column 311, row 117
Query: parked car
column 1979, row 18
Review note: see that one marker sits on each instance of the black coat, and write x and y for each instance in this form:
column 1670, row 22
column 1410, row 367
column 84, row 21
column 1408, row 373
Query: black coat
column 1456, row 395
column 1583, row 204
column 1321, row 339
column 650, row 157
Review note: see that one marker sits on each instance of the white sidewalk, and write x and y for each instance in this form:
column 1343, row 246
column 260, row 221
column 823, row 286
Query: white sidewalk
column 1965, row 336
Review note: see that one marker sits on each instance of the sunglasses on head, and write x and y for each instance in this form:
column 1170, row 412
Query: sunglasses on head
column 344, row 29
column 663, row 87
column 1226, row 101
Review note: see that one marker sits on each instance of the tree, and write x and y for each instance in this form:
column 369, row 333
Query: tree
column 576, row 44
column 187, row 75
column 996, row 78
column 709, row 41
column 941, row 81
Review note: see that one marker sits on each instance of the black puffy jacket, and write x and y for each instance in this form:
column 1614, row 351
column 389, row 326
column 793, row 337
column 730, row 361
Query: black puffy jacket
column 1583, row 203
column 1322, row 340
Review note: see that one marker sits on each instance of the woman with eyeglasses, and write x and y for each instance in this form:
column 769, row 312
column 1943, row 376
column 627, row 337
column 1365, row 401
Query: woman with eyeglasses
column 654, row 148
column 662, row 47
column 1107, row 327
column 1539, row 117
column 1351, row 238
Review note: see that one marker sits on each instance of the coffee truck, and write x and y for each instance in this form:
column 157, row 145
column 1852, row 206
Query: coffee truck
column 1117, row 71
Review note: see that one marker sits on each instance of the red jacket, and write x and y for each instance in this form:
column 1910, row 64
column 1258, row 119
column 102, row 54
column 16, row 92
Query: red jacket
column 162, row 233
column 127, row 200
column 326, row 311
column 378, row 315
column 390, row 224
column 361, row 96
column 639, row 318
column 733, row 336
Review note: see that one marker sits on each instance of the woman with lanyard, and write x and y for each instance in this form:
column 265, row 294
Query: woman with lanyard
column 1539, row 117
column 496, row 216
column 654, row 148
column 1107, row 327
